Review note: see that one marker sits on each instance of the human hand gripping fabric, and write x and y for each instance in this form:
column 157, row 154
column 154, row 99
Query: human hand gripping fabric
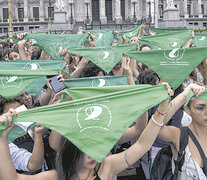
column 6, row 123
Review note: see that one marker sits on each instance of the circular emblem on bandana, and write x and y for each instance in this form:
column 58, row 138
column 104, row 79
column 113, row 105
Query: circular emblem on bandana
column 202, row 38
column 31, row 66
column 174, row 54
column 100, row 36
column 11, row 81
column 100, row 83
column 94, row 116
column 105, row 55
column 173, row 43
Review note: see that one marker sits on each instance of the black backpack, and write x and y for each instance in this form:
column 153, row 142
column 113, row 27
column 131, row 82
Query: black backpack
column 162, row 165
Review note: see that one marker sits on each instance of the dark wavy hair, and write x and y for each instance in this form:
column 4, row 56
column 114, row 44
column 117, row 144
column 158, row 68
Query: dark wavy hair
column 148, row 77
column 67, row 160
column 91, row 70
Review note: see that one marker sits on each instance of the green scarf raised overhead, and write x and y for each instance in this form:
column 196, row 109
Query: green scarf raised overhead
column 53, row 44
column 171, row 65
column 95, row 124
column 200, row 40
column 165, row 30
column 14, row 82
column 168, row 40
column 103, row 38
column 191, row 94
column 36, row 85
column 129, row 34
column 105, row 58
column 98, row 81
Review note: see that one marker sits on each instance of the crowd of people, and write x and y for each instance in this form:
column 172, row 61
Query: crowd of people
column 42, row 153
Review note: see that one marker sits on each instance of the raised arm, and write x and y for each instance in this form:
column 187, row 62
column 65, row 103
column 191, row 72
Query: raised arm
column 118, row 162
column 189, row 42
column 7, row 169
column 170, row 133
column 127, row 70
column 179, row 101
column 37, row 158
column 21, row 43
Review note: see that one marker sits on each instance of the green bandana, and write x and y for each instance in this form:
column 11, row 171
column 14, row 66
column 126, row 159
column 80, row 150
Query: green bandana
column 103, row 38
column 53, row 44
column 105, row 58
column 191, row 94
column 129, row 34
column 14, row 82
column 171, row 65
column 98, row 81
column 95, row 124
column 165, row 30
column 200, row 40
column 168, row 40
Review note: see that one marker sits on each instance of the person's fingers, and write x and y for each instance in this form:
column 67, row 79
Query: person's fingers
column 3, row 118
column 12, row 111
column 9, row 117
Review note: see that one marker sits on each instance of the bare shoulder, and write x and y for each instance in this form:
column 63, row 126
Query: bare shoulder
column 47, row 175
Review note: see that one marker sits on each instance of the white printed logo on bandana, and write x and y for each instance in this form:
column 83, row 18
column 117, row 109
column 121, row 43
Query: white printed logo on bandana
column 173, row 43
column 202, row 38
column 175, row 54
column 105, row 55
column 100, row 37
column 32, row 66
column 11, row 81
column 94, row 116
column 100, row 83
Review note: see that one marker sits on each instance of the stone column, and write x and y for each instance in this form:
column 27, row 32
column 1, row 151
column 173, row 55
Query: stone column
column 42, row 10
column 185, row 9
column 102, row 10
column 200, row 15
column 14, row 11
column 26, row 13
column 156, row 13
column 1, row 14
column 118, row 18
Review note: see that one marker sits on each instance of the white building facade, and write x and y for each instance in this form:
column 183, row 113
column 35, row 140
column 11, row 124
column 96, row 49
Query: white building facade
column 28, row 15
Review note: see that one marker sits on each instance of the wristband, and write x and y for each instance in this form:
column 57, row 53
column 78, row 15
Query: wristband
column 160, row 112
column 159, row 124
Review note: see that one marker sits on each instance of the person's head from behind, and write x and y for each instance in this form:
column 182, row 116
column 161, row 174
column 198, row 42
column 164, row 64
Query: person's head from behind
column 14, row 55
column 92, row 70
column 148, row 77
column 71, row 160
column 145, row 47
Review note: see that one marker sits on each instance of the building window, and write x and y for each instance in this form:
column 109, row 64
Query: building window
column 31, row 27
column 20, row 13
column 202, row 9
column 161, row 10
column 205, row 24
column 15, row 29
column 5, row 13
column 51, row 12
column 36, row 13
column 189, row 10
column 21, row 28
column 1, row 30
column 176, row 6
column 195, row 24
column 6, row 30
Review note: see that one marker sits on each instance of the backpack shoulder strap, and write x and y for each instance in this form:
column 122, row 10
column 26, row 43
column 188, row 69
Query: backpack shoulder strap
column 183, row 144
column 200, row 150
